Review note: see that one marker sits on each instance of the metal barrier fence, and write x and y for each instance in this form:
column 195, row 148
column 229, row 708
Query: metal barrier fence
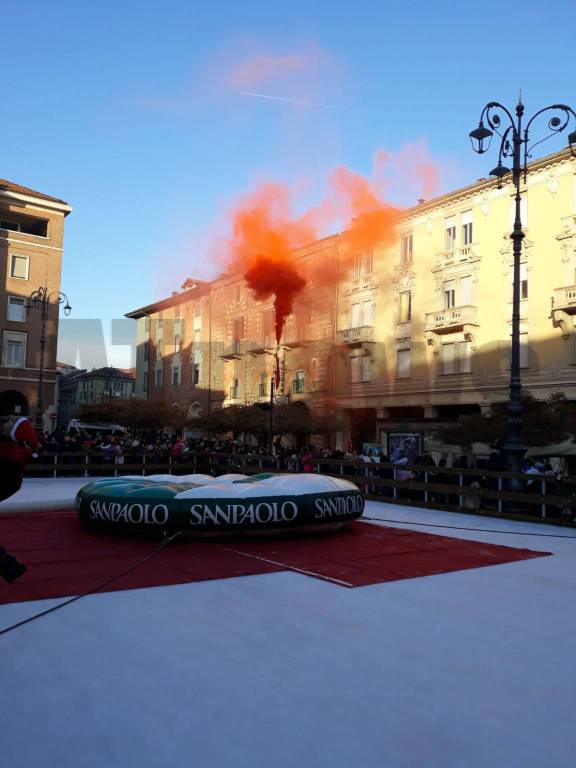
column 547, row 497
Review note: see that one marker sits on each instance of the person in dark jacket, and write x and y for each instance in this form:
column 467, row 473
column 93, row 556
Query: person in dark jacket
column 18, row 442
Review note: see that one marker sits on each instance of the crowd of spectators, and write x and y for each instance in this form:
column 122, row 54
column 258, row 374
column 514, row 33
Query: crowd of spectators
column 404, row 464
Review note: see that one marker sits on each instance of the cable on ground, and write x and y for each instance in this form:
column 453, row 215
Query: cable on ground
column 465, row 528
column 164, row 543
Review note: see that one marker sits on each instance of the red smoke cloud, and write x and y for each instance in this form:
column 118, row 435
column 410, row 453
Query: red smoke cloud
column 264, row 235
column 266, row 232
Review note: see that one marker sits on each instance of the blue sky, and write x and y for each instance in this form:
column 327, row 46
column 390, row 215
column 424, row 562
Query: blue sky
column 132, row 112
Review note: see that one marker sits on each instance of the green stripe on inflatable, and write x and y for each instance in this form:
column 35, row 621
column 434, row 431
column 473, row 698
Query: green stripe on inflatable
column 153, row 508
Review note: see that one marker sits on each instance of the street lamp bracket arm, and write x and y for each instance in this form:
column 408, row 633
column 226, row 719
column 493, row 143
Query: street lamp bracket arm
column 494, row 120
column 556, row 124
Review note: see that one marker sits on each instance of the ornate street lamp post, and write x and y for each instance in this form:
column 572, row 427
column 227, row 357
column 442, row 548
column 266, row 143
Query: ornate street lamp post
column 515, row 144
column 41, row 299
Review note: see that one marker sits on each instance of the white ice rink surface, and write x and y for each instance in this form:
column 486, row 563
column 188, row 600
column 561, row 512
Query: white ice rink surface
column 472, row 669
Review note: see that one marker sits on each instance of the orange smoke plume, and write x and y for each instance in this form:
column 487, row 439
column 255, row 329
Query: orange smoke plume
column 266, row 232
column 372, row 220
column 264, row 237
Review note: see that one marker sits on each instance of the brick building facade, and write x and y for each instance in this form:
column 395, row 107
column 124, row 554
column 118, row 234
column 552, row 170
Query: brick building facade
column 31, row 242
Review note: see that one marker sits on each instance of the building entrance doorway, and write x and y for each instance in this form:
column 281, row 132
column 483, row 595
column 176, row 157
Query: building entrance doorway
column 13, row 403
column 362, row 427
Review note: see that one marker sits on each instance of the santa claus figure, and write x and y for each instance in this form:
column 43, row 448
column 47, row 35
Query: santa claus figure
column 18, row 442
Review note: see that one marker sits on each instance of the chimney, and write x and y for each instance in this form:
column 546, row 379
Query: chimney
column 421, row 201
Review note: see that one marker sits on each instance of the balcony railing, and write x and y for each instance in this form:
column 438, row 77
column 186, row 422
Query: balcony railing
column 261, row 346
column 455, row 255
column 449, row 319
column 565, row 298
column 232, row 350
column 356, row 336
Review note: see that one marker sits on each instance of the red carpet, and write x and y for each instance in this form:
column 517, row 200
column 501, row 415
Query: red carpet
column 63, row 558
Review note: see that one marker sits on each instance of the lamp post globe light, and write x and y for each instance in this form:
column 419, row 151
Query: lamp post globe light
column 515, row 143
column 41, row 299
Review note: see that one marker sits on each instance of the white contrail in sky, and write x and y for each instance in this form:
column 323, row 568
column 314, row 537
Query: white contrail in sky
column 282, row 98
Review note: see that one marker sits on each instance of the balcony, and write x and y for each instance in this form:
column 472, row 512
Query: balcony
column 263, row 346
column 453, row 319
column 355, row 337
column 456, row 256
column 563, row 307
column 232, row 350
column 565, row 299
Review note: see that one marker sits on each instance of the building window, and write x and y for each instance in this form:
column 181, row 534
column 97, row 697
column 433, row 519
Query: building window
column 360, row 368
column 263, row 385
column 368, row 313
column 403, row 363
column 146, row 350
column 448, row 358
column 238, row 326
column 175, row 376
column 465, row 291
column 25, row 224
column 159, row 377
column 467, row 228
column 450, row 237
column 366, row 367
column 147, row 325
column 19, row 267
column 234, row 390
column 456, row 357
column 357, row 270
column 465, row 356
column 177, row 344
column 523, row 281
column 14, row 350
column 298, row 383
column 160, row 329
column 406, row 248
column 197, row 340
column 406, row 306
column 367, row 262
column 355, row 369
column 145, row 382
column 16, row 309
column 355, row 318
column 449, row 294
column 195, row 373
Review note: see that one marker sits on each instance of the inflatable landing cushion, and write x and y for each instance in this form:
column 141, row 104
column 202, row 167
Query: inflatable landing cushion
column 225, row 503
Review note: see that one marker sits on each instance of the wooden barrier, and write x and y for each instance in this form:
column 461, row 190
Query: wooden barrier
column 474, row 491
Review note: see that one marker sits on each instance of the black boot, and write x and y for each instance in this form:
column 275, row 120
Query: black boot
column 10, row 568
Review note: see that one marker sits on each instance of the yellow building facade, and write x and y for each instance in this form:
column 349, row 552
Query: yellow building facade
column 397, row 339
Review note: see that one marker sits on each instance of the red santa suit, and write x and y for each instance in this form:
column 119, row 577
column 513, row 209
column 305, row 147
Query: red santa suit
column 18, row 441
